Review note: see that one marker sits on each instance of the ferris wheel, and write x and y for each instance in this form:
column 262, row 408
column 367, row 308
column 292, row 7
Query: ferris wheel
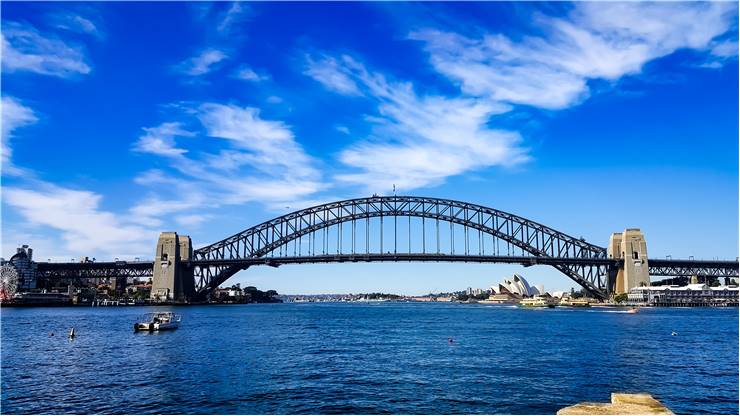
column 8, row 282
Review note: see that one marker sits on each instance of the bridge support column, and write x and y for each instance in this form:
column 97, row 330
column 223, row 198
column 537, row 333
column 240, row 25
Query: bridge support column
column 630, row 246
column 173, row 278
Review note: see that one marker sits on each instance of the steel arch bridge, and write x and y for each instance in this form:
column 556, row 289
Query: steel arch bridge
column 360, row 230
column 368, row 230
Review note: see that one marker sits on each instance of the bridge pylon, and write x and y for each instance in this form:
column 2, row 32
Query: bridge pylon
column 173, row 278
column 631, row 248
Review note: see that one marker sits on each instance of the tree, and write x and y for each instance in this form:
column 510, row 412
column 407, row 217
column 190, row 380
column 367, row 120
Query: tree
column 620, row 298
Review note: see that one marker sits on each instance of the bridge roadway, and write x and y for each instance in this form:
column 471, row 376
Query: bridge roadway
column 656, row 267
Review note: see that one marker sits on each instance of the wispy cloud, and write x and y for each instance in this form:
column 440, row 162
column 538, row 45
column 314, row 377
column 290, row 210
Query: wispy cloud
column 235, row 14
column 255, row 159
column 160, row 140
column 418, row 140
column 75, row 23
column 25, row 49
column 246, row 73
column 85, row 228
column 329, row 72
column 192, row 220
column 202, row 63
column 268, row 143
column 596, row 40
column 14, row 116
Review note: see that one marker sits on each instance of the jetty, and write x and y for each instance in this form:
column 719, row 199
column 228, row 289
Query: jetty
column 621, row 404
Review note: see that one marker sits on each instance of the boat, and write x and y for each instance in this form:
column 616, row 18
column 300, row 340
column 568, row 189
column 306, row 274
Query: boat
column 576, row 303
column 158, row 321
column 536, row 302
column 633, row 310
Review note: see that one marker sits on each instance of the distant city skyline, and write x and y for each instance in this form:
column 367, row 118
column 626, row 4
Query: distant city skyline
column 122, row 120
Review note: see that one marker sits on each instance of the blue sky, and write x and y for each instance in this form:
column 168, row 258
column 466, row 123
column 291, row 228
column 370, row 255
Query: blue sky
column 121, row 120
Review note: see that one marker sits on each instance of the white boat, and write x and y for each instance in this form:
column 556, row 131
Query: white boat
column 537, row 302
column 158, row 321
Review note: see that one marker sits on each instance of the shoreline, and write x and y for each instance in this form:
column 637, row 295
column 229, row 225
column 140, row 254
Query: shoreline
column 605, row 306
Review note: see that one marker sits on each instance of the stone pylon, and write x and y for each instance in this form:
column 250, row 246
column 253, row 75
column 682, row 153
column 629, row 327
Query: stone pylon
column 630, row 246
column 173, row 278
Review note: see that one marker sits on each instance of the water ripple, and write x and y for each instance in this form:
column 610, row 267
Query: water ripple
column 366, row 359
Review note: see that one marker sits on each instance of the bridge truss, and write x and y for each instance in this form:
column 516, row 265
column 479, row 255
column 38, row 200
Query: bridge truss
column 432, row 228
column 398, row 229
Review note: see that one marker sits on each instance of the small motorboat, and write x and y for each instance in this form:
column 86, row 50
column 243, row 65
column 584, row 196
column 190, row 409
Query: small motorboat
column 633, row 310
column 158, row 321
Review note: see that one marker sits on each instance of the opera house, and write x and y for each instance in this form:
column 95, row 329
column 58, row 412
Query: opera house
column 519, row 286
column 514, row 289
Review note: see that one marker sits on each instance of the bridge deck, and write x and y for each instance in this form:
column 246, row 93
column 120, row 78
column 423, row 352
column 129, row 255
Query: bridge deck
column 658, row 267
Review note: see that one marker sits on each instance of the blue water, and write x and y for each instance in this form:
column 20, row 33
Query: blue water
column 366, row 358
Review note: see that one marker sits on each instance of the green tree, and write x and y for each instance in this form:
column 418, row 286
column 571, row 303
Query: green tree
column 620, row 298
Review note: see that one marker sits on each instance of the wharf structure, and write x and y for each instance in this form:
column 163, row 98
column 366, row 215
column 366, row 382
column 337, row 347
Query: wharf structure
column 698, row 294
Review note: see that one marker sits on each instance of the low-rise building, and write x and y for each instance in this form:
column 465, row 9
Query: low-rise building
column 698, row 294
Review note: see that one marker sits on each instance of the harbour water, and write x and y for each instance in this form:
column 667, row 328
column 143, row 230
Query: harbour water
column 366, row 358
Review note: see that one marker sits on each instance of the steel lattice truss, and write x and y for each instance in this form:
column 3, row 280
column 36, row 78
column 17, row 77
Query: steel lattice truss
column 215, row 263
column 501, row 238
column 94, row 270
column 717, row 268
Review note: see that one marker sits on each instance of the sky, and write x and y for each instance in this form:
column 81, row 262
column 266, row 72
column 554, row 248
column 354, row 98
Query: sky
column 122, row 120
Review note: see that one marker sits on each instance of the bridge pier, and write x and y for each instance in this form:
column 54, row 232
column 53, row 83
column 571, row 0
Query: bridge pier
column 629, row 246
column 172, row 278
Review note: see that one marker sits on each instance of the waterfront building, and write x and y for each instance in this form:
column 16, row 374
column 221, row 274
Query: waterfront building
column 699, row 294
column 519, row 286
column 24, row 265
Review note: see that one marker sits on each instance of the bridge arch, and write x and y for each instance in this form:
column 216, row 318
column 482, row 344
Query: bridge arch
column 534, row 239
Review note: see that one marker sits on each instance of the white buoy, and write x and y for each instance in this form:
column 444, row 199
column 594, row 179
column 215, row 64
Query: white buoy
column 72, row 333
column 674, row 333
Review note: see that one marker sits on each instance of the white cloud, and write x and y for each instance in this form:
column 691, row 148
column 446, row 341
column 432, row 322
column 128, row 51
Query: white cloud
column 419, row 141
column 328, row 71
column 268, row 143
column 274, row 99
column 246, row 73
column 149, row 212
column 85, row 228
column 235, row 14
column 14, row 115
column 25, row 49
column 725, row 49
column 254, row 159
column 203, row 63
column 342, row 129
column 596, row 40
column 75, row 23
column 192, row 220
column 160, row 140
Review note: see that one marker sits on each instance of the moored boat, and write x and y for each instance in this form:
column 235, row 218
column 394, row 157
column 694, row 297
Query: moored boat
column 158, row 321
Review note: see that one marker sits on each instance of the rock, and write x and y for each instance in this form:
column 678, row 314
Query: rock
column 622, row 404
